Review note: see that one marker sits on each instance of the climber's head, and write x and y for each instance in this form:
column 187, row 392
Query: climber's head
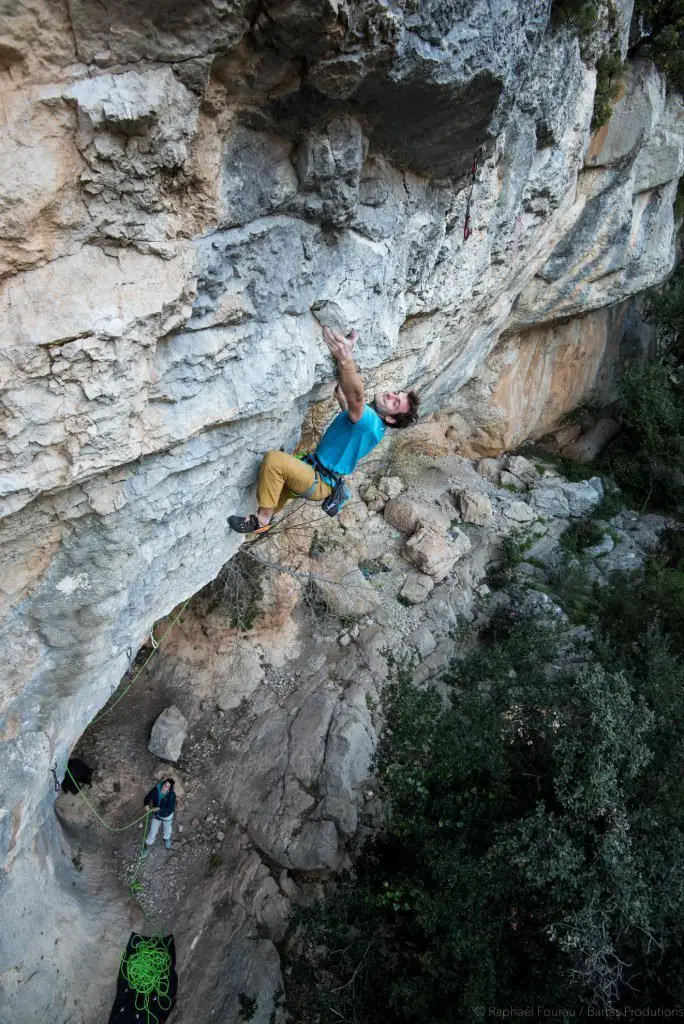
column 397, row 408
column 167, row 785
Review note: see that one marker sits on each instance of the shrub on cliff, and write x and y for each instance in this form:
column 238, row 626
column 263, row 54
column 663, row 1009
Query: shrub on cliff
column 661, row 29
column 533, row 848
column 648, row 460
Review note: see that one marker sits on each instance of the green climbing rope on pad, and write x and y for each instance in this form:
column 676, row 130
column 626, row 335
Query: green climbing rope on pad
column 147, row 979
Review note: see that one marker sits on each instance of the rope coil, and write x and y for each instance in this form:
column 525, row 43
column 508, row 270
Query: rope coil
column 147, row 971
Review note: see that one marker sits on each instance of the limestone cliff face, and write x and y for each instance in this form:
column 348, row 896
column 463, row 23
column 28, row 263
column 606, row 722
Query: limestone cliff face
column 183, row 185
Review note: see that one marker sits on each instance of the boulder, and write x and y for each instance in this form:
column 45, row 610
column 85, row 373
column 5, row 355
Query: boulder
column 417, row 588
column 645, row 539
column 342, row 812
column 550, row 501
column 423, row 641
column 345, row 589
column 511, row 480
column 271, row 911
column 450, row 605
column 592, row 443
column 475, row 508
column 402, row 514
column 547, row 548
column 522, row 468
column 390, row 486
column 489, row 469
column 435, row 554
column 168, row 734
column 583, row 497
column 604, row 547
column 519, row 512
column 623, row 558
column 372, row 497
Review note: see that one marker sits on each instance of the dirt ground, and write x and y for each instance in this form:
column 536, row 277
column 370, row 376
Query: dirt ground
column 125, row 770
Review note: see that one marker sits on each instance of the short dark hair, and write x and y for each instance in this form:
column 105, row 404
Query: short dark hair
column 407, row 419
column 171, row 782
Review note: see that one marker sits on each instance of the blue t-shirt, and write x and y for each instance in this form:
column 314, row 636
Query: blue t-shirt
column 344, row 443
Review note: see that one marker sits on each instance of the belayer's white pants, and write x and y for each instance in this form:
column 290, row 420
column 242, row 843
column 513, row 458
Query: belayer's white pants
column 154, row 828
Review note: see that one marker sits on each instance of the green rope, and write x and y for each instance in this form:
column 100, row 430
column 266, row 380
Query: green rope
column 147, row 972
column 156, row 645
column 104, row 824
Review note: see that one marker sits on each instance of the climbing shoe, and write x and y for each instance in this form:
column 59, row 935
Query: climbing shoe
column 167, row 844
column 247, row 524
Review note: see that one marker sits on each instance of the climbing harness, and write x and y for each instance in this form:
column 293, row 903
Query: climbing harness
column 467, row 230
column 340, row 493
column 147, row 971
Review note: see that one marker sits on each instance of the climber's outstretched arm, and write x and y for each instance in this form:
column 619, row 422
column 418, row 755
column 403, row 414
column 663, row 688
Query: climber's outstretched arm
column 339, row 395
column 350, row 382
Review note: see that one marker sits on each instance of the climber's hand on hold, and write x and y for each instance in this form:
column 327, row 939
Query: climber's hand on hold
column 350, row 383
column 341, row 348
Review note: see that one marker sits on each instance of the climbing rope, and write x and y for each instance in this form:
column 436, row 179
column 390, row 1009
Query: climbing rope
column 467, row 230
column 147, row 971
column 104, row 824
column 156, row 644
column 134, row 885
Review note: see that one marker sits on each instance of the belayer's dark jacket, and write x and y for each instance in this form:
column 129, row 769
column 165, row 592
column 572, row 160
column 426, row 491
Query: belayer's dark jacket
column 165, row 803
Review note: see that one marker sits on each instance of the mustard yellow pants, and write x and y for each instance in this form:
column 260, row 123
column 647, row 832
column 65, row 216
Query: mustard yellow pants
column 282, row 477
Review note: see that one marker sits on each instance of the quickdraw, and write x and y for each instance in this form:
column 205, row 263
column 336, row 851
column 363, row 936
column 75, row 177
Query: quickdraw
column 467, row 230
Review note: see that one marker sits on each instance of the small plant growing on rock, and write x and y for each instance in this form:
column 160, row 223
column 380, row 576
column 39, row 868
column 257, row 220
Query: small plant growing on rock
column 608, row 70
column 581, row 535
column 248, row 1006
column 237, row 591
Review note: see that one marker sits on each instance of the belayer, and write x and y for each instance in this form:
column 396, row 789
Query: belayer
column 355, row 431
column 161, row 799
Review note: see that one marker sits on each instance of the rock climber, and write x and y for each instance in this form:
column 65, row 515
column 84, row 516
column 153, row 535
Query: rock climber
column 354, row 432
column 162, row 800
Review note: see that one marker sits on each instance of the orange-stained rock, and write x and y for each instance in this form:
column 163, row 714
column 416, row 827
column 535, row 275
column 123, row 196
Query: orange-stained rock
column 535, row 378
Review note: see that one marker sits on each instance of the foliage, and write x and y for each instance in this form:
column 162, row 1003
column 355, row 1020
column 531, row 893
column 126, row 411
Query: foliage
column 533, row 847
column 580, row 535
column 679, row 201
column 580, row 14
column 666, row 308
column 569, row 468
column 608, row 70
column 511, row 553
column 237, row 591
column 584, row 17
column 662, row 36
column 648, row 459
column 247, row 1005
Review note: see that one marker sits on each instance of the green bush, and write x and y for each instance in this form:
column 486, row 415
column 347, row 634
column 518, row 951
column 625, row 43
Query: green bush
column 511, row 553
column 608, row 71
column 648, row 460
column 580, row 14
column 533, row 847
column 580, row 535
column 666, row 308
column 662, row 26
column 237, row 591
